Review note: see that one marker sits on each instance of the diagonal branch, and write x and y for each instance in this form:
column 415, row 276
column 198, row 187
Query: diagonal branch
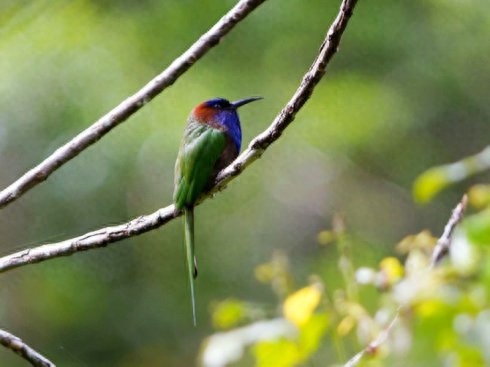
column 444, row 242
column 129, row 106
column 17, row 346
column 260, row 143
column 103, row 237
column 92, row 240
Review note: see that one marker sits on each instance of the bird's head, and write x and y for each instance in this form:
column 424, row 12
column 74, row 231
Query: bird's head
column 218, row 110
column 222, row 114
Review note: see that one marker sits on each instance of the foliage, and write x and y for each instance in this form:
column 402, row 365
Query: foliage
column 432, row 181
column 418, row 308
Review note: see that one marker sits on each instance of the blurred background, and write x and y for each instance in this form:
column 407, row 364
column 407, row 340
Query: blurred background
column 408, row 90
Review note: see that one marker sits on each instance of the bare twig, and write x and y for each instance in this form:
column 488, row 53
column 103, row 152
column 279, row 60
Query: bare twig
column 105, row 236
column 129, row 106
column 17, row 346
column 375, row 344
column 440, row 251
column 444, row 242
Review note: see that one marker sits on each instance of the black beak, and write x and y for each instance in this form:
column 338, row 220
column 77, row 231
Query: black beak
column 242, row 102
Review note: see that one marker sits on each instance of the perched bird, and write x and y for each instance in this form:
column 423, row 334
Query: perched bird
column 212, row 140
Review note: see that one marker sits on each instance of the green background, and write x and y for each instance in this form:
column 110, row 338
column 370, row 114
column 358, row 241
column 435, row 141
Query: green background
column 408, row 90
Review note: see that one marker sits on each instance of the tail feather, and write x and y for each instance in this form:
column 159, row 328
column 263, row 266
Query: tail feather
column 191, row 258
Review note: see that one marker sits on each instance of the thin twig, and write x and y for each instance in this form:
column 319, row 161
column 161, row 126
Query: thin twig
column 375, row 344
column 444, row 242
column 129, row 106
column 105, row 236
column 440, row 251
column 16, row 345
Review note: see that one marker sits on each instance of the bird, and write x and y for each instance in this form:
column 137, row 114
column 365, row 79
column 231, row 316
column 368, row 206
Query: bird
column 212, row 140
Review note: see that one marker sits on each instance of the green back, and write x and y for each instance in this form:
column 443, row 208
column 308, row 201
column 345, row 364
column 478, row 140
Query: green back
column 201, row 147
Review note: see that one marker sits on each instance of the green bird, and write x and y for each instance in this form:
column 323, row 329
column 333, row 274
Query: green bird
column 212, row 140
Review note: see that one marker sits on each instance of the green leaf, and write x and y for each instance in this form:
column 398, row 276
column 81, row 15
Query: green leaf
column 278, row 353
column 478, row 228
column 311, row 334
column 299, row 306
column 228, row 313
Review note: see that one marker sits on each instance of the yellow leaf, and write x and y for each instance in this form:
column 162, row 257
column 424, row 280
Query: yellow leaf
column 228, row 313
column 277, row 353
column 430, row 308
column 429, row 184
column 299, row 307
column 422, row 240
column 479, row 196
column 392, row 269
column 325, row 237
column 346, row 325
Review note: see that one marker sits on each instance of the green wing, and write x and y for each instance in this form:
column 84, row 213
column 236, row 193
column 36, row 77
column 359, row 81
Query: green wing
column 201, row 147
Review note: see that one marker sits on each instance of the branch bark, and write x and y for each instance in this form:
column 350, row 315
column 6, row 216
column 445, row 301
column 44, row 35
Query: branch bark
column 260, row 143
column 444, row 242
column 16, row 345
column 92, row 240
column 129, row 106
column 103, row 237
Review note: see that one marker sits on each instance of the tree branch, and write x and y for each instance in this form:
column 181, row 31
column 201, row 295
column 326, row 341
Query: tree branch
column 375, row 344
column 92, row 240
column 103, row 237
column 444, row 242
column 260, row 143
column 440, row 251
column 17, row 346
column 129, row 106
